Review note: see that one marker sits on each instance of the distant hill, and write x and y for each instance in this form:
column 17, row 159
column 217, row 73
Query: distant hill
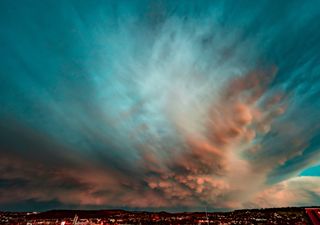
column 106, row 213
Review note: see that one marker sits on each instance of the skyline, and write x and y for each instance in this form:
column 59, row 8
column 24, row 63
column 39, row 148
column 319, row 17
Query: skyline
column 159, row 105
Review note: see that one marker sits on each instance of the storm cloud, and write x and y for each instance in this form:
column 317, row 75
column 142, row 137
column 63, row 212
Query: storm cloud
column 159, row 104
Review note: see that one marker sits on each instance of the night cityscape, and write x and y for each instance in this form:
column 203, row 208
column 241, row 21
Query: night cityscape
column 290, row 216
column 159, row 112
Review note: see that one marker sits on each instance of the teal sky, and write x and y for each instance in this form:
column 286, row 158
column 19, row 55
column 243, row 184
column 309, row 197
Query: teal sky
column 311, row 171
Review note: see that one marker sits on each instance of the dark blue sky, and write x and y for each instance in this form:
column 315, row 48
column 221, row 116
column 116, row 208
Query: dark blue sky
column 171, row 105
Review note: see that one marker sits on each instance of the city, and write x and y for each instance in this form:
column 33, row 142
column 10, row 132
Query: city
column 290, row 216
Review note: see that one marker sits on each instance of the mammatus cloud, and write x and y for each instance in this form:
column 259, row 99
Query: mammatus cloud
column 165, row 106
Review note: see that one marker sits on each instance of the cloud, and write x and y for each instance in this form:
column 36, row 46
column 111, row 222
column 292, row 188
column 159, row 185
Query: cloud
column 159, row 105
column 298, row 191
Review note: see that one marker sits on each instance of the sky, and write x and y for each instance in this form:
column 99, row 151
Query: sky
column 159, row 105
